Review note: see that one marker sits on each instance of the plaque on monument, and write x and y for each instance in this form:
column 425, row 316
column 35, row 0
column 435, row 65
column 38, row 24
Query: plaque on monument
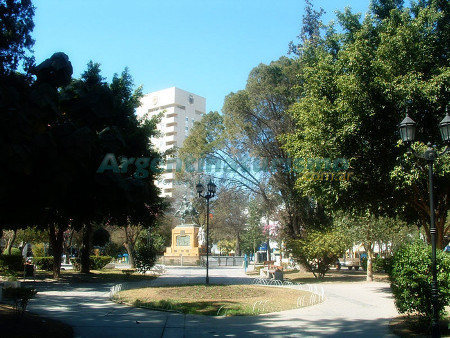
column 184, row 240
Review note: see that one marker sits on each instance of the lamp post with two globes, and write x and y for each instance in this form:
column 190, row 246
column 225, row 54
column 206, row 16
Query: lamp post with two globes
column 211, row 191
column 407, row 133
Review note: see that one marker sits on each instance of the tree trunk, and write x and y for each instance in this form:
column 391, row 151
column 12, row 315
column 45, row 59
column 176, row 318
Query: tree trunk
column 56, row 240
column 369, row 276
column 67, row 246
column 237, row 249
column 86, row 248
column 130, row 251
column 11, row 242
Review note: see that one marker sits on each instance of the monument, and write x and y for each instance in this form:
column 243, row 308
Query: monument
column 188, row 238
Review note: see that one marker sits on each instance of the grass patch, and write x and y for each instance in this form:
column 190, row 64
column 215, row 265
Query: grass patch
column 213, row 300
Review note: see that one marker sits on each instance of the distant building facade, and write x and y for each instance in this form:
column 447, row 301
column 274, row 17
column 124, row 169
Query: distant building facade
column 181, row 110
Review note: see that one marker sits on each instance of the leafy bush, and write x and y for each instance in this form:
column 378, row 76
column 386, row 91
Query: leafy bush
column 411, row 279
column 43, row 263
column 364, row 263
column 145, row 257
column 10, row 263
column 14, row 252
column 20, row 296
column 39, row 250
column 113, row 249
column 95, row 262
column 378, row 264
column 99, row 262
column 318, row 250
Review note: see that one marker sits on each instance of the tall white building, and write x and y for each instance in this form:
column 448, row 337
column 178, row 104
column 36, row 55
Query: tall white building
column 181, row 109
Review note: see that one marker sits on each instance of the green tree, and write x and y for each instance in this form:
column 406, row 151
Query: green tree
column 244, row 143
column 230, row 217
column 411, row 280
column 16, row 25
column 371, row 231
column 254, row 235
column 319, row 250
column 354, row 99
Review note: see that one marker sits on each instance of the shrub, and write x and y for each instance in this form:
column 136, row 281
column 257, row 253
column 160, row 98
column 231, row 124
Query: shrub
column 378, row 264
column 20, row 296
column 411, row 279
column 145, row 257
column 318, row 250
column 39, row 250
column 10, row 263
column 99, row 262
column 95, row 262
column 364, row 263
column 43, row 263
column 114, row 249
column 14, row 252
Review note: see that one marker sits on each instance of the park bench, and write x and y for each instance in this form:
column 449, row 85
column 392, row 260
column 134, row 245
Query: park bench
column 271, row 270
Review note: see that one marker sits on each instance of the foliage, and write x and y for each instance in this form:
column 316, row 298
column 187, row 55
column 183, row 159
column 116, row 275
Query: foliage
column 411, row 279
column 226, row 246
column 20, row 296
column 95, row 262
column 100, row 237
column 32, row 234
column 43, row 263
column 230, row 218
column 14, row 252
column 145, row 257
column 16, row 25
column 242, row 146
column 254, row 235
column 39, row 250
column 113, row 249
column 11, row 263
column 318, row 250
column 357, row 84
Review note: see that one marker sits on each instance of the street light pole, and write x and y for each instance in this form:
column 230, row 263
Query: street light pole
column 211, row 192
column 407, row 132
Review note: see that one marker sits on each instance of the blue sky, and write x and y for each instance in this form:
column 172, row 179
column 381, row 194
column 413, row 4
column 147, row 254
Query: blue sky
column 207, row 47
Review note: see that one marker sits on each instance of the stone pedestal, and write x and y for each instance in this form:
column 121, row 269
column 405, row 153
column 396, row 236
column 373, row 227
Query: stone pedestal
column 185, row 242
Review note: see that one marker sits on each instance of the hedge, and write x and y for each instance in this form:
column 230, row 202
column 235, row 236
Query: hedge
column 44, row 263
column 95, row 262
column 411, row 279
column 11, row 263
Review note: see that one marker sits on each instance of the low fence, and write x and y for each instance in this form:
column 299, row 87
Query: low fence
column 223, row 261
column 213, row 261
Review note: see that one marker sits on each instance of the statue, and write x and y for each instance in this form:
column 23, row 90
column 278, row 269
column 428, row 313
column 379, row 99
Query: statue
column 201, row 236
column 186, row 210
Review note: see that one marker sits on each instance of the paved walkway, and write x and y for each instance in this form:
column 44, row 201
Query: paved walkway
column 350, row 310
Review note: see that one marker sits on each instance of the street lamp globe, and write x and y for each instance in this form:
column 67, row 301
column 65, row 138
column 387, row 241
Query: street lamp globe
column 199, row 188
column 407, row 130
column 211, row 188
column 444, row 127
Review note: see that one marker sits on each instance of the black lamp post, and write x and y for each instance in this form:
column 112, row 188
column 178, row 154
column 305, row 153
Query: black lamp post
column 211, row 192
column 407, row 133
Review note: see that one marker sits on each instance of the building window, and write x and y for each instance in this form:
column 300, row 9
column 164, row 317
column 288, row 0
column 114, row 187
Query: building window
column 191, row 99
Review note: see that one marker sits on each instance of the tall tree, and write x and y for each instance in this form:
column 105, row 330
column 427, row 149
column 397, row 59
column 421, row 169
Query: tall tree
column 16, row 25
column 244, row 142
column 354, row 100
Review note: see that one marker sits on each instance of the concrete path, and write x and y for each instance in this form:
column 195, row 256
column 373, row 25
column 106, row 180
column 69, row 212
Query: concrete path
column 350, row 310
